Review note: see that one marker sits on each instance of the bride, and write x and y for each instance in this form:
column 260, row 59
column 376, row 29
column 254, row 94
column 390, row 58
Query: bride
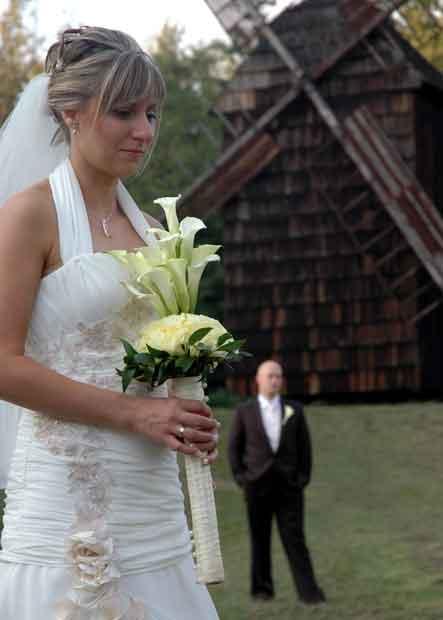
column 94, row 524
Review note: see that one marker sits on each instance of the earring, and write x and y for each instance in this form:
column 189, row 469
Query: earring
column 75, row 127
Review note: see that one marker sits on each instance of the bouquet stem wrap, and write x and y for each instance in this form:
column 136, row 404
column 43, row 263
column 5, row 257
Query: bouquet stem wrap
column 209, row 562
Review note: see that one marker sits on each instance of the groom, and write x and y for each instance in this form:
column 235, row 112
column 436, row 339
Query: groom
column 270, row 457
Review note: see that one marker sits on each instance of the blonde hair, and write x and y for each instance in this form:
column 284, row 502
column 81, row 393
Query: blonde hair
column 98, row 62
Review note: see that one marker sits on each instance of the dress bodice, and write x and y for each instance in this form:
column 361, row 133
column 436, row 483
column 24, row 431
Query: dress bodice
column 82, row 310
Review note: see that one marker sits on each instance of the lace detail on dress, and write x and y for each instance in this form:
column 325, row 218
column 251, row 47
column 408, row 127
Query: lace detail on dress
column 90, row 548
column 89, row 354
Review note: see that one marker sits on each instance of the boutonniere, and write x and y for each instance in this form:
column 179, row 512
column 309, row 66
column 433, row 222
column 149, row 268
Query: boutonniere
column 288, row 411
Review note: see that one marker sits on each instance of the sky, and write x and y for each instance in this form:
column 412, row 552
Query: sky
column 140, row 18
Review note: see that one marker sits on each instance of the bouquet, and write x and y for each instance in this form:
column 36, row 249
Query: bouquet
column 181, row 347
column 177, row 346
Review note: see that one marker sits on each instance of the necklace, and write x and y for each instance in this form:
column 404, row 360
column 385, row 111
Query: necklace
column 105, row 222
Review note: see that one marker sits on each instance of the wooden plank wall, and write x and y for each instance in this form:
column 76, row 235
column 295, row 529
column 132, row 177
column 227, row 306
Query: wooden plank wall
column 295, row 286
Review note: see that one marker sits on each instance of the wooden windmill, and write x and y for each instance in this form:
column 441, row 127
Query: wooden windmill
column 334, row 250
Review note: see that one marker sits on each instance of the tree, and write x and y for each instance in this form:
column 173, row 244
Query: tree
column 421, row 22
column 19, row 53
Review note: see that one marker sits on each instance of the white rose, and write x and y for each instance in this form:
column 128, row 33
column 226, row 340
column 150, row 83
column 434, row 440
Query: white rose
column 172, row 333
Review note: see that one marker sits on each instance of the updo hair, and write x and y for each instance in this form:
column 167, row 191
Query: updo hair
column 98, row 62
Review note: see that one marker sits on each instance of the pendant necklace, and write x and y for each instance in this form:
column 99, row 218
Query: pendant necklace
column 105, row 221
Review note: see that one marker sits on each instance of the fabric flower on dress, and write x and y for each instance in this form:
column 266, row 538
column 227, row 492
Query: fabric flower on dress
column 91, row 553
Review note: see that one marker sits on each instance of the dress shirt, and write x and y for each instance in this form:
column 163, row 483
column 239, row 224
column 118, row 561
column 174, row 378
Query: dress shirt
column 271, row 417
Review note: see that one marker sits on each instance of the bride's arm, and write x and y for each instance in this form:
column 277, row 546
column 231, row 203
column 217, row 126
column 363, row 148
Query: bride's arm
column 27, row 236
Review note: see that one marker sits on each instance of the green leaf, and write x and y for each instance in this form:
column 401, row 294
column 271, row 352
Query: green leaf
column 199, row 335
column 157, row 352
column 127, row 376
column 184, row 363
column 224, row 338
column 147, row 374
column 201, row 346
column 145, row 359
column 130, row 351
column 230, row 346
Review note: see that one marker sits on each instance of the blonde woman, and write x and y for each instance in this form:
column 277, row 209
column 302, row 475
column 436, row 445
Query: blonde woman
column 94, row 525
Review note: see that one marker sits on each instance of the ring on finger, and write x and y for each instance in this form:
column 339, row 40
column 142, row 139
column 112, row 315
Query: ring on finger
column 181, row 431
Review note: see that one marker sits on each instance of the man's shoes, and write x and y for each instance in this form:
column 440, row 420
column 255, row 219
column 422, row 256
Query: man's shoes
column 314, row 598
column 262, row 596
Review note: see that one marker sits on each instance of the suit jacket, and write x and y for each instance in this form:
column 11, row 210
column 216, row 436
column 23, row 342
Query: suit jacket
column 250, row 453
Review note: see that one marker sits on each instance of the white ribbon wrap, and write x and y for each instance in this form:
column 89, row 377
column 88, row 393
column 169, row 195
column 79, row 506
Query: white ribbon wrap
column 208, row 557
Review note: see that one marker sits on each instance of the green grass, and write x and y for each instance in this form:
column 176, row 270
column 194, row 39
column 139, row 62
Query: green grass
column 374, row 519
column 374, row 516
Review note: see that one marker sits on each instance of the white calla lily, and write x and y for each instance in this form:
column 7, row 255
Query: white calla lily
column 169, row 271
column 169, row 206
column 203, row 252
column 189, row 227
column 158, row 304
column 195, row 273
column 177, row 268
column 168, row 246
column 167, row 242
column 159, row 282
column 135, row 290
column 141, row 292
column 161, row 233
column 153, row 255
column 137, row 264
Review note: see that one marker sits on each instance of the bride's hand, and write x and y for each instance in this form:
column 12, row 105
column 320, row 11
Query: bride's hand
column 180, row 424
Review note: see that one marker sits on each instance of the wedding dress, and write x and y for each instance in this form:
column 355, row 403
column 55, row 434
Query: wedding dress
column 94, row 526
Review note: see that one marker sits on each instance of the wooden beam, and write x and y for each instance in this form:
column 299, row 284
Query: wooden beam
column 218, row 188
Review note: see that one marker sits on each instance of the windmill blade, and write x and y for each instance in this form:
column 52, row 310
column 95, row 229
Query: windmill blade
column 240, row 18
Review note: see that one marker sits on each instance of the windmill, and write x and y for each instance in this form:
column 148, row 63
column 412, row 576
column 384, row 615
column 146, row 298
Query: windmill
column 409, row 222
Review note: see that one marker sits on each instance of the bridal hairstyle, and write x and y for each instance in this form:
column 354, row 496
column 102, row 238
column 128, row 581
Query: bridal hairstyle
column 98, row 62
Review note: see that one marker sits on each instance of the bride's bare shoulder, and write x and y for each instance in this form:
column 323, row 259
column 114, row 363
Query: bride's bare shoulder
column 30, row 212
column 33, row 204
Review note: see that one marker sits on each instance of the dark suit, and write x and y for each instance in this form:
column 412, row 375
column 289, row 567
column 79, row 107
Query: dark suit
column 273, row 484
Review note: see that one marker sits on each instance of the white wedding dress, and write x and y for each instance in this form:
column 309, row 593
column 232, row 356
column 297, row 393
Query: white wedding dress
column 94, row 526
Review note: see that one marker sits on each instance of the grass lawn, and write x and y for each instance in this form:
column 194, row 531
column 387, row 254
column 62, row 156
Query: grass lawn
column 374, row 516
column 374, row 519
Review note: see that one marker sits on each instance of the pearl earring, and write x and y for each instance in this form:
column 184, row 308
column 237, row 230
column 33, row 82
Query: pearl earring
column 75, row 127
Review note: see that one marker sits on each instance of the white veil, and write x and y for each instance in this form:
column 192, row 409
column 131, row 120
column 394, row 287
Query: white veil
column 27, row 155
